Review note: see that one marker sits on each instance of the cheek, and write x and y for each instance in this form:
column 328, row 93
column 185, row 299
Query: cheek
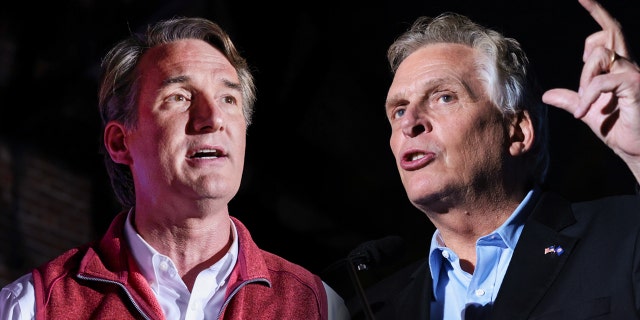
column 155, row 137
column 483, row 147
column 462, row 145
column 394, row 144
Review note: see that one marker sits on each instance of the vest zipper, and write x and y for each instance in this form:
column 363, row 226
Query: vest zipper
column 121, row 286
column 233, row 293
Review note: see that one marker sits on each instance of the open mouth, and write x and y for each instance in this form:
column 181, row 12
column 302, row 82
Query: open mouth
column 414, row 156
column 206, row 154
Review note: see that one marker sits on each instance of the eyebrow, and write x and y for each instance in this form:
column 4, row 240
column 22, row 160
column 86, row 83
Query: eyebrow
column 392, row 101
column 232, row 84
column 182, row 79
column 172, row 80
column 428, row 86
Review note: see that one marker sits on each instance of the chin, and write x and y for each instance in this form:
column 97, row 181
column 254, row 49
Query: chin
column 425, row 195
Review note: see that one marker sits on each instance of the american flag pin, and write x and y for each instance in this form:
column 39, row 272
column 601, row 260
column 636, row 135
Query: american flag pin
column 558, row 250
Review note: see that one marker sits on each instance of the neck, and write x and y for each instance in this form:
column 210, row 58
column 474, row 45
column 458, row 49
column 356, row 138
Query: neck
column 461, row 226
column 193, row 243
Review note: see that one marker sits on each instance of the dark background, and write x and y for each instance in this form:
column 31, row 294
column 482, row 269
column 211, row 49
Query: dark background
column 320, row 177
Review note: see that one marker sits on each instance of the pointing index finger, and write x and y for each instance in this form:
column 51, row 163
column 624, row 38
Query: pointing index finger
column 599, row 14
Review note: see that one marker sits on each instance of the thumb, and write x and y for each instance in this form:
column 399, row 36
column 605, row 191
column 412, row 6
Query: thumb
column 565, row 99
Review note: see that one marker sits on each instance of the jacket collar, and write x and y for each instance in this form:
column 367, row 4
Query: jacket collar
column 251, row 265
column 111, row 261
column 538, row 258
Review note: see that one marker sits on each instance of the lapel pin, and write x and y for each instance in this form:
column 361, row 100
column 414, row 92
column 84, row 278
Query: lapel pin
column 554, row 249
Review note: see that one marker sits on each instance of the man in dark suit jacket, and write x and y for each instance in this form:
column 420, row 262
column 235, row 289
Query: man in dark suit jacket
column 469, row 136
column 596, row 275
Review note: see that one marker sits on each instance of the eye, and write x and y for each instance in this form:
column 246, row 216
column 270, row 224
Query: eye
column 177, row 98
column 445, row 98
column 396, row 109
column 177, row 101
column 230, row 100
column 398, row 113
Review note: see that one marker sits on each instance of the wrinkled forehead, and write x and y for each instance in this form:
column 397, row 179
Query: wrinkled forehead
column 184, row 52
column 438, row 62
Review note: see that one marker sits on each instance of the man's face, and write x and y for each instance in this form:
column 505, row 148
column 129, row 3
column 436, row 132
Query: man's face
column 447, row 137
column 189, row 141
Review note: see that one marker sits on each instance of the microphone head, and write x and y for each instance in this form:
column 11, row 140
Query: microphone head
column 378, row 252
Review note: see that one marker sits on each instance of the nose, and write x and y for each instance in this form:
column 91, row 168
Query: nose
column 206, row 116
column 415, row 122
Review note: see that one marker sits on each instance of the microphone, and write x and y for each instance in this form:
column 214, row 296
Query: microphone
column 369, row 254
column 365, row 256
column 382, row 251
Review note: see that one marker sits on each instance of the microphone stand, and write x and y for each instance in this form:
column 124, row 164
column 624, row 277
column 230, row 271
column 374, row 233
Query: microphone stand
column 355, row 280
column 367, row 254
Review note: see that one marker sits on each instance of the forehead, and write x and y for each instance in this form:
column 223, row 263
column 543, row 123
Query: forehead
column 435, row 64
column 183, row 56
column 446, row 57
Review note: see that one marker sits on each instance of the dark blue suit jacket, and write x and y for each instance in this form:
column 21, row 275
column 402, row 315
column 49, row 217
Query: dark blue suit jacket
column 596, row 277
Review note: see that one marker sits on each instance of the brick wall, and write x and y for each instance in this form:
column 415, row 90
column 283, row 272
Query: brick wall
column 45, row 209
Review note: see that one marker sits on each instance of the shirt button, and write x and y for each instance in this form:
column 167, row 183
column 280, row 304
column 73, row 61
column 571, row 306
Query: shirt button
column 164, row 266
column 480, row 292
column 445, row 254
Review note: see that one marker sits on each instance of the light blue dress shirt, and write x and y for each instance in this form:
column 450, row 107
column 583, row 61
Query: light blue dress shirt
column 461, row 295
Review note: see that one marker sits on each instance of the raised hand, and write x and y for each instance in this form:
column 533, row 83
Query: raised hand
column 608, row 99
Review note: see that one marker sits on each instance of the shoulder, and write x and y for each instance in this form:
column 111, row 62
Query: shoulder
column 611, row 217
column 276, row 265
column 287, row 276
column 62, row 267
column 610, row 207
column 620, row 202
column 282, row 267
column 64, row 262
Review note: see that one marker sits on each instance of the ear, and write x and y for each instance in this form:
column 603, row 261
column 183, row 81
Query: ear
column 521, row 133
column 115, row 142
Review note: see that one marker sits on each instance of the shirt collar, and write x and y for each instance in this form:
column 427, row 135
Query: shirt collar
column 509, row 231
column 144, row 253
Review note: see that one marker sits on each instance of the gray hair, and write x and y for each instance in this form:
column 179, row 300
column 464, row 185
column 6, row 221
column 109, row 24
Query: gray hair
column 120, row 82
column 509, row 82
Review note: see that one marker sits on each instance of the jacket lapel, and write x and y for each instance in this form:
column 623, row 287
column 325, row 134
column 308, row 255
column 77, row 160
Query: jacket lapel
column 537, row 260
